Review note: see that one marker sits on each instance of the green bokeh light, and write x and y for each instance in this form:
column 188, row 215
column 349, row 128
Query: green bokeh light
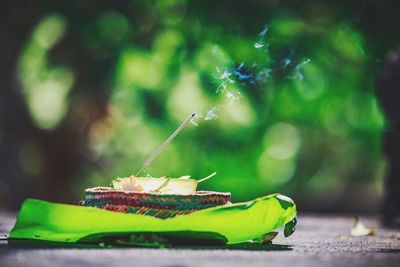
column 311, row 127
column 45, row 87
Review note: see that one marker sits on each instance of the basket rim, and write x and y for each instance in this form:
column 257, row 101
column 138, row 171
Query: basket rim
column 105, row 190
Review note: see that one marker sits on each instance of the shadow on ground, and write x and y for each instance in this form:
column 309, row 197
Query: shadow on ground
column 35, row 244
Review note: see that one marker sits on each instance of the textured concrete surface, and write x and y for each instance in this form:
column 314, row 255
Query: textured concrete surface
column 318, row 241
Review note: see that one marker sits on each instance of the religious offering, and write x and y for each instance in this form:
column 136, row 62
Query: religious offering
column 158, row 212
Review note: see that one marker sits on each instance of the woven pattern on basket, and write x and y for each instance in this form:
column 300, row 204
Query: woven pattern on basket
column 158, row 205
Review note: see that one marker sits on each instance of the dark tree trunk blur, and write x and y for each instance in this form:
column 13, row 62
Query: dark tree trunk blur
column 64, row 148
column 15, row 27
column 388, row 92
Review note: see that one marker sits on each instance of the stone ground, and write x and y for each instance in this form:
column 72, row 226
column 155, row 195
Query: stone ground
column 318, row 241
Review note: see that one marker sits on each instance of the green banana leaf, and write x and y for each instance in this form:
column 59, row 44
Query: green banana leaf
column 231, row 224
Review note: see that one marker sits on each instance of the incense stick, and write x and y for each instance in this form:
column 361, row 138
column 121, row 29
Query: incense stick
column 206, row 178
column 163, row 145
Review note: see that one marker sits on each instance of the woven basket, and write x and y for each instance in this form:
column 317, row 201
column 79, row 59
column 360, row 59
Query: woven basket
column 157, row 205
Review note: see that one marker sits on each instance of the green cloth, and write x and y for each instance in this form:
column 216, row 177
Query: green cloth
column 240, row 222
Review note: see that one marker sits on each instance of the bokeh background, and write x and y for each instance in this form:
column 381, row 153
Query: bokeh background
column 285, row 90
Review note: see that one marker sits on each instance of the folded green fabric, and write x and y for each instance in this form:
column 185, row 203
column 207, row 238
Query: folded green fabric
column 236, row 223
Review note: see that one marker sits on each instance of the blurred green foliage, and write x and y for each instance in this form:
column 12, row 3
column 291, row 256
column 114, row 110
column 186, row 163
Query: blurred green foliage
column 310, row 128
